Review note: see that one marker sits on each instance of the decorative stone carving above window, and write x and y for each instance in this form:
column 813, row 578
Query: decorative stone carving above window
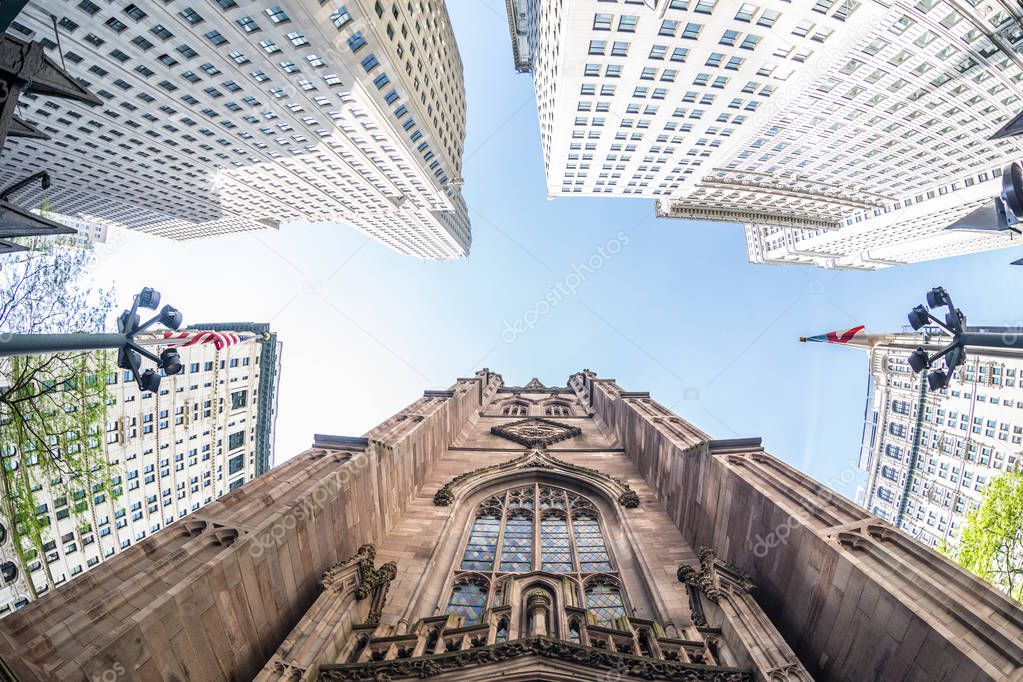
column 536, row 432
column 534, row 385
column 538, row 458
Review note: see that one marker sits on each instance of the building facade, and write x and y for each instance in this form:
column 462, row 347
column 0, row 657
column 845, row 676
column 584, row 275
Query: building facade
column 236, row 115
column 525, row 533
column 928, row 455
column 206, row 432
column 88, row 233
column 840, row 133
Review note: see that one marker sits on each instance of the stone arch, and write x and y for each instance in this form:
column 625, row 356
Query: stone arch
column 537, row 465
column 622, row 546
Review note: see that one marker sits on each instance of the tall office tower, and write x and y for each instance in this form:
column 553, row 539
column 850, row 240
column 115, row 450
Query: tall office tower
column 929, row 454
column 207, row 431
column 840, row 133
column 233, row 115
column 531, row 532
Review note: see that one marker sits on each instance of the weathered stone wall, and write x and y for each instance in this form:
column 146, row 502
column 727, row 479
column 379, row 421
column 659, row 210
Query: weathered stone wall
column 213, row 595
column 854, row 597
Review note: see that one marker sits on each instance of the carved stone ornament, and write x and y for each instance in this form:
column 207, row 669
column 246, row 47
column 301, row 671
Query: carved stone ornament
column 714, row 576
column 536, row 432
column 537, row 458
column 622, row 665
column 534, row 385
column 629, row 499
column 288, row 671
column 374, row 581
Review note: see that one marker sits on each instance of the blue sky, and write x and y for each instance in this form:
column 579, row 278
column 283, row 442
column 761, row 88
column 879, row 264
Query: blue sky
column 677, row 310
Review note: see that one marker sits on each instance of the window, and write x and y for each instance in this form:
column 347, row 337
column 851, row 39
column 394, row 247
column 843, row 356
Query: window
column 501, row 539
column 515, row 410
column 216, row 38
column 277, row 15
column 557, row 410
column 161, row 32
column 191, row 16
column 627, row 23
column 235, row 464
column 369, row 62
column 340, row 17
column 248, row 24
column 468, row 599
column 602, row 22
column 134, row 12
column 356, row 41
column 604, row 601
column 236, row 440
column 239, row 399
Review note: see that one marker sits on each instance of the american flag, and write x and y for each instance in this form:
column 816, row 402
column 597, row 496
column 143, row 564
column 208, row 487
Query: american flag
column 220, row 340
column 843, row 336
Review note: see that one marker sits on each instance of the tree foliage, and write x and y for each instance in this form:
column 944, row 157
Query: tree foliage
column 53, row 408
column 991, row 544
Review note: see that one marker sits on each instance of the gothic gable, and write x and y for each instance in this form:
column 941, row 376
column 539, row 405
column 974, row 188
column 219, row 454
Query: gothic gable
column 536, row 432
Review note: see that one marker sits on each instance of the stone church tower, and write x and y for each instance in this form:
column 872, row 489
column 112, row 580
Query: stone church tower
column 524, row 533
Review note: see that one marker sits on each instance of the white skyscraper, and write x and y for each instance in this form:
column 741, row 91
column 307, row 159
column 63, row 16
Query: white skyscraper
column 206, row 431
column 840, row 133
column 231, row 115
column 929, row 454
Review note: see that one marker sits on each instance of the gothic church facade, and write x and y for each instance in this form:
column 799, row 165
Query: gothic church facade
column 525, row 533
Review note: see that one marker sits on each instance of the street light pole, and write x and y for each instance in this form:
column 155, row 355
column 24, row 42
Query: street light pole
column 129, row 353
column 41, row 344
column 954, row 354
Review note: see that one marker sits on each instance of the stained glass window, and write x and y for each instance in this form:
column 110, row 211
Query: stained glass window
column 468, row 598
column 555, row 546
column 535, row 527
column 589, row 544
column 482, row 546
column 517, row 552
column 604, row 601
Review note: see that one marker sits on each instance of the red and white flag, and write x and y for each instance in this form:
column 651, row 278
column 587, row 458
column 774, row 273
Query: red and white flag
column 220, row 340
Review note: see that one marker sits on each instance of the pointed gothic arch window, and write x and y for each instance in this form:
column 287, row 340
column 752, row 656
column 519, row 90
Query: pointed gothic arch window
column 557, row 409
column 516, row 409
column 531, row 528
column 604, row 600
column 468, row 599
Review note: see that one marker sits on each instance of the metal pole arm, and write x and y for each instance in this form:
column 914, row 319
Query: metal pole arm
column 989, row 340
column 41, row 344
